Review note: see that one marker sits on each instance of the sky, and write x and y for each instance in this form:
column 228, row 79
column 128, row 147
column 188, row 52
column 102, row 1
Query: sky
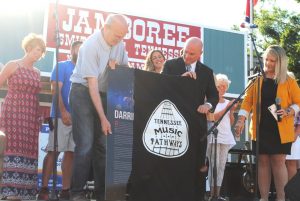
column 219, row 14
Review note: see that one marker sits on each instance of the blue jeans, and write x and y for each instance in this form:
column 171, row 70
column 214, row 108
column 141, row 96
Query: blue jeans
column 90, row 142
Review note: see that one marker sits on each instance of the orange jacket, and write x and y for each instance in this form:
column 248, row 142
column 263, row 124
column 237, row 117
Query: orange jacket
column 289, row 93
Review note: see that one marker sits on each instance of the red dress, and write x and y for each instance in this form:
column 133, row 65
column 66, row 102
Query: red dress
column 19, row 121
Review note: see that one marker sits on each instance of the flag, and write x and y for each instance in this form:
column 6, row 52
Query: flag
column 248, row 17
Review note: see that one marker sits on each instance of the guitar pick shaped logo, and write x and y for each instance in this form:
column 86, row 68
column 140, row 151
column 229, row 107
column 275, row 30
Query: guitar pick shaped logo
column 166, row 132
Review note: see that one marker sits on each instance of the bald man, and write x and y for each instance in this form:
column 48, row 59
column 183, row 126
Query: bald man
column 189, row 65
column 101, row 51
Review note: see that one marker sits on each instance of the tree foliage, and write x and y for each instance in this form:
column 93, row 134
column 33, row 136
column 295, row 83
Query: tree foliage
column 281, row 27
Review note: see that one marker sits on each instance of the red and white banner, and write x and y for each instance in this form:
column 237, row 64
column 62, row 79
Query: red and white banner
column 144, row 34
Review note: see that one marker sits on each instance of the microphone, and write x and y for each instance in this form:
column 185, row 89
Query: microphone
column 248, row 25
column 255, row 69
column 278, row 107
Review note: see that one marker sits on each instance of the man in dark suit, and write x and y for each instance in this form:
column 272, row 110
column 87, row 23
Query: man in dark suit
column 189, row 65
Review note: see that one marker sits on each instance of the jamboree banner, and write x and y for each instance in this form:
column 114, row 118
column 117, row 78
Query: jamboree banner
column 144, row 34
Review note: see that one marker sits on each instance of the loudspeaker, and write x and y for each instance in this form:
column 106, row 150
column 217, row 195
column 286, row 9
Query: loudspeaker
column 235, row 184
column 292, row 188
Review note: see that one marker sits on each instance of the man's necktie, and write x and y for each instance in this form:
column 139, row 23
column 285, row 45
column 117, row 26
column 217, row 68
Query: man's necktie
column 188, row 68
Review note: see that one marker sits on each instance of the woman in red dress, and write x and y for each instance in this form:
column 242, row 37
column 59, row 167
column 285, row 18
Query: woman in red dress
column 19, row 121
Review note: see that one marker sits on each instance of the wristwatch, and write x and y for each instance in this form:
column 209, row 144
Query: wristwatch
column 288, row 111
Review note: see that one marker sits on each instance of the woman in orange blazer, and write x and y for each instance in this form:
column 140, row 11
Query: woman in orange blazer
column 275, row 137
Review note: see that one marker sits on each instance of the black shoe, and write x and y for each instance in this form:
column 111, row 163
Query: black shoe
column 78, row 197
column 221, row 198
column 64, row 195
column 43, row 194
column 216, row 199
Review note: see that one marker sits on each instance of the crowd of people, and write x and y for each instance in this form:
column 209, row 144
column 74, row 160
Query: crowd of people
column 79, row 88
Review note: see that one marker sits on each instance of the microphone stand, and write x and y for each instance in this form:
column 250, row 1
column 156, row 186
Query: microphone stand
column 258, row 111
column 213, row 130
column 53, row 194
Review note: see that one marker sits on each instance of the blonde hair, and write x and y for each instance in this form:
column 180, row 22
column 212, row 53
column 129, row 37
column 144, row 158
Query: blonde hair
column 149, row 66
column 222, row 78
column 33, row 40
column 281, row 66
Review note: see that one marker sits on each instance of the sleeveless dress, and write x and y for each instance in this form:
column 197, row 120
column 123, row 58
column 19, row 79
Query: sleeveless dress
column 19, row 120
column 269, row 139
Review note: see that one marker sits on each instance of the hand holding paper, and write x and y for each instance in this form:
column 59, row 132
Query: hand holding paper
column 272, row 108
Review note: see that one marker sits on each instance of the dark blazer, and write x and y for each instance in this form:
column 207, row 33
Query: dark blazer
column 207, row 93
column 205, row 79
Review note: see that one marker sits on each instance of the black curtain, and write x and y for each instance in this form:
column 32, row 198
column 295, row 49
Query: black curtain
column 165, row 162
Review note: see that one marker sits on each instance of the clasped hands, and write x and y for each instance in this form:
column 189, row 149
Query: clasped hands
column 238, row 128
column 112, row 64
column 203, row 109
column 190, row 74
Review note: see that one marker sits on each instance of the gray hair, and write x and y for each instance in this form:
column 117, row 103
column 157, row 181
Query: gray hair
column 112, row 18
column 222, row 78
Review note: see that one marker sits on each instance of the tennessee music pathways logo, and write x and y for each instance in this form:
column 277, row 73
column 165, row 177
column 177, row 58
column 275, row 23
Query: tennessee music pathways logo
column 166, row 132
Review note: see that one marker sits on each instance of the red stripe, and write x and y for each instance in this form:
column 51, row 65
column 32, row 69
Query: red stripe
column 248, row 7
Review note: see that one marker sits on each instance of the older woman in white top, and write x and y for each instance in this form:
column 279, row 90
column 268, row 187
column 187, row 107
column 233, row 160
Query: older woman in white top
column 293, row 158
column 225, row 138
